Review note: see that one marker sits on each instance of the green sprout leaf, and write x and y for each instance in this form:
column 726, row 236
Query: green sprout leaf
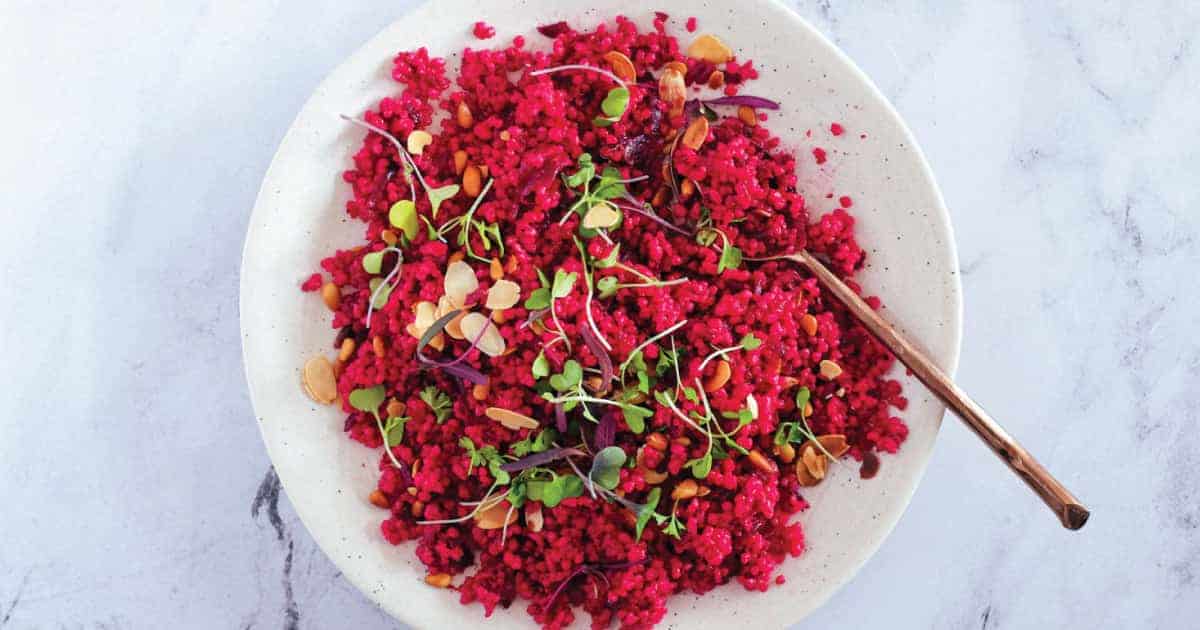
column 541, row 365
column 606, row 467
column 674, row 527
column 610, row 260
column 373, row 262
column 586, row 171
column 563, row 283
column 539, row 299
column 602, row 121
column 750, row 342
column 438, row 402
column 570, row 378
column 607, row 286
column 802, row 396
column 635, row 417
column 403, row 216
column 545, row 439
column 701, row 466
column 647, row 511
column 368, row 399
column 393, row 430
column 438, row 195
column 615, row 104
column 731, row 258
column 381, row 298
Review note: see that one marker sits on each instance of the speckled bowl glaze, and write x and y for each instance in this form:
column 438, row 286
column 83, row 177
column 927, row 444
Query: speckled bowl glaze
column 299, row 217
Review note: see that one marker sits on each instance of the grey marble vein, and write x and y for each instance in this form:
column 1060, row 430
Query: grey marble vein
column 135, row 136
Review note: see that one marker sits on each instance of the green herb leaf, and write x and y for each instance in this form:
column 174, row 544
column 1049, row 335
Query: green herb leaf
column 750, row 342
column 674, row 527
column 403, row 215
column 539, row 299
column 472, row 452
column 802, row 397
column 635, row 417
column 616, row 102
column 731, row 258
column 607, row 286
column 706, row 237
column 570, row 377
column 393, row 430
column 373, row 262
column 586, row 171
column 545, row 439
column 541, row 365
column 702, row 466
column 368, row 399
column 610, row 260
column 438, row 195
column 606, row 467
column 438, row 402
column 690, row 394
column 563, row 283
column 561, row 488
column 380, row 299
column 647, row 511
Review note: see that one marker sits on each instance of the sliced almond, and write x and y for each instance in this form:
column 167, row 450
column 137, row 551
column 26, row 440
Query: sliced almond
column 426, row 315
column 511, row 419
column 504, row 294
column 460, row 161
column 808, row 324
column 319, row 381
column 804, row 477
column 495, row 269
column 601, row 216
column 472, row 181
column 677, row 66
column 418, row 140
column 533, row 517
column 653, row 477
column 747, row 115
column 835, row 443
column 478, row 326
column 395, row 408
column 438, row 342
column 710, row 48
column 496, row 516
column 816, row 463
column 719, row 378
column 621, row 65
column 438, row 580
column 685, row 490
column 463, row 115
column 761, row 462
column 454, row 326
column 716, row 80
column 696, row 133
column 444, row 306
column 460, row 282
column 331, row 295
column 672, row 90
column 830, row 370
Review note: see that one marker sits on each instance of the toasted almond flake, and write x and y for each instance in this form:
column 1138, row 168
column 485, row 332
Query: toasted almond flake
column 816, row 463
column 319, row 381
column 747, row 115
column 444, row 306
column 835, row 443
column 413, row 331
column 719, row 378
column 426, row 315
column 716, row 79
column 472, row 181
column 621, row 65
column 438, row 580
column 463, row 115
column 491, row 342
column 786, row 453
column 533, row 517
column 808, row 324
column 454, row 326
column 803, row 476
column 505, row 135
column 761, row 462
column 672, row 90
column 495, row 269
column 331, row 295
column 460, row 282
column 687, row 188
column 696, row 133
column 601, row 216
column 657, row 441
column 685, row 490
column 497, row 516
column 653, row 477
column 511, row 419
column 703, row 491
column 418, row 140
column 512, row 264
column 504, row 294
column 710, row 48
column 395, row 408
column 389, row 237
column 347, row 349
column 480, row 391
column 378, row 499
column 438, row 342
column 460, row 161
column 677, row 66
column 418, row 508
column 499, row 318
column 830, row 370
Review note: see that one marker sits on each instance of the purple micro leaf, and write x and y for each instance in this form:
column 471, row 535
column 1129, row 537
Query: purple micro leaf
column 538, row 459
column 606, row 366
column 560, row 418
column 756, row 102
column 606, row 431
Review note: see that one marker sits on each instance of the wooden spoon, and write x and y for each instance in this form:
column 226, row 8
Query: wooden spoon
column 1068, row 509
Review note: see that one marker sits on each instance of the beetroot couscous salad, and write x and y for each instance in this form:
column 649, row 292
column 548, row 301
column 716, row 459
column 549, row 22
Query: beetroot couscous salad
column 588, row 389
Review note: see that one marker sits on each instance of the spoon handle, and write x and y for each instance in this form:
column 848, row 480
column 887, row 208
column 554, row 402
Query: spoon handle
column 1068, row 509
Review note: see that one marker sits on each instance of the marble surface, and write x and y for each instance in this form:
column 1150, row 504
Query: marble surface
column 137, row 493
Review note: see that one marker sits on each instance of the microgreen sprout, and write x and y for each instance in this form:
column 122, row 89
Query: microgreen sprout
column 615, row 102
column 438, row 402
column 591, row 291
column 596, row 193
column 435, row 195
column 368, row 400
column 748, row 342
column 636, row 351
column 381, row 289
column 467, row 223
column 731, row 255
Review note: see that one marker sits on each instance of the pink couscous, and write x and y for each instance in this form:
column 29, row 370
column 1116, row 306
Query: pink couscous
column 588, row 392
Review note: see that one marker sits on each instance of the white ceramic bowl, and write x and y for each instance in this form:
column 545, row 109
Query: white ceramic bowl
column 299, row 218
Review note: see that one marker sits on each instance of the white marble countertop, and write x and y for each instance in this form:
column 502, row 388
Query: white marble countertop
column 137, row 494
